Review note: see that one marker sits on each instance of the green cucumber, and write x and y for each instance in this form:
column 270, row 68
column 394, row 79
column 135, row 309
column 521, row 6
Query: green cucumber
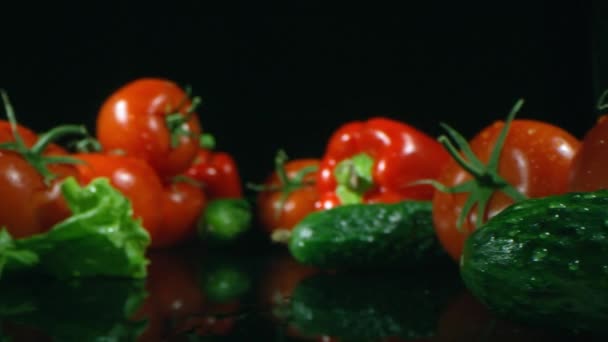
column 544, row 262
column 369, row 307
column 366, row 236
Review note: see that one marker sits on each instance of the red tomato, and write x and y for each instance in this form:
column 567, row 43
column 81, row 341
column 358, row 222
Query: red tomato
column 31, row 198
column 219, row 174
column 6, row 134
column 150, row 118
column 181, row 206
column 29, row 206
column 286, row 205
column 134, row 178
column 590, row 166
column 535, row 160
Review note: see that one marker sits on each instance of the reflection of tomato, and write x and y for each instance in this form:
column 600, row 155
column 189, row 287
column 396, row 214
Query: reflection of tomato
column 590, row 166
column 466, row 319
column 535, row 160
column 281, row 277
column 149, row 118
column 173, row 295
column 285, row 207
column 182, row 204
column 18, row 332
column 133, row 177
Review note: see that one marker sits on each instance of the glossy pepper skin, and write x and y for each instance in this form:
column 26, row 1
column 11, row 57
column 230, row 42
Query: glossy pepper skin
column 376, row 161
column 218, row 172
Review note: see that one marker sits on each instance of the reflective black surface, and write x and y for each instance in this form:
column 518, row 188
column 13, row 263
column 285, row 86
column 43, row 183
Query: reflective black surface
column 227, row 293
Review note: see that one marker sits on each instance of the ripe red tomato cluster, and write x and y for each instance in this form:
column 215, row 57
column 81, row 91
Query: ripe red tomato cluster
column 150, row 137
column 149, row 147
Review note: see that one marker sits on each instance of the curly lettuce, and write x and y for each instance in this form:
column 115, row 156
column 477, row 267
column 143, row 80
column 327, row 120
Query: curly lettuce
column 100, row 239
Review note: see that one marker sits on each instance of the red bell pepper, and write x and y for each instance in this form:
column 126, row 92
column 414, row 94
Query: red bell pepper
column 377, row 161
column 218, row 172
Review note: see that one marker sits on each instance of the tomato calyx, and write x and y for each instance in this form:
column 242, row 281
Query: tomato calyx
column 354, row 178
column 486, row 179
column 188, row 180
column 176, row 119
column 207, row 141
column 286, row 184
column 34, row 155
column 602, row 102
column 87, row 144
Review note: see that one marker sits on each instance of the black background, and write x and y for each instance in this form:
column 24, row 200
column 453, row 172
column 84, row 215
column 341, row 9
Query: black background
column 287, row 76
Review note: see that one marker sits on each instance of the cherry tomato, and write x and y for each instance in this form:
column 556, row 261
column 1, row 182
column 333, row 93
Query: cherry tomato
column 181, row 206
column 134, row 178
column 152, row 119
column 590, row 166
column 218, row 172
column 287, row 204
column 535, row 160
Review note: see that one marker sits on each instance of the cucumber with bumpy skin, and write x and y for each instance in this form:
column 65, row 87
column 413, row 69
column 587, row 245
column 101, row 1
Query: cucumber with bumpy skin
column 367, row 236
column 544, row 262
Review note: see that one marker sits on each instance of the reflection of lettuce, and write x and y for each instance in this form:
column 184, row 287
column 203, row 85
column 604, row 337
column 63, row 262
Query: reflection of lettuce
column 100, row 238
column 75, row 310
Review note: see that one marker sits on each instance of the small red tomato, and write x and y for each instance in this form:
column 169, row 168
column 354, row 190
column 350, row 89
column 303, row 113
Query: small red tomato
column 180, row 207
column 534, row 161
column 218, row 172
column 133, row 177
column 589, row 170
column 288, row 194
column 152, row 119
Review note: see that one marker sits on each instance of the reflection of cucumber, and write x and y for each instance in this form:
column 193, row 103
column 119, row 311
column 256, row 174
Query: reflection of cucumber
column 80, row 310
column 225, row 277
column 369, row 307
column 225, row 219
column 225, row 284
column 366, row 236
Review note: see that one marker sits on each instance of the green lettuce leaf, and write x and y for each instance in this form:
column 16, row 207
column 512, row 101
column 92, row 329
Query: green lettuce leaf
column 100, row 238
